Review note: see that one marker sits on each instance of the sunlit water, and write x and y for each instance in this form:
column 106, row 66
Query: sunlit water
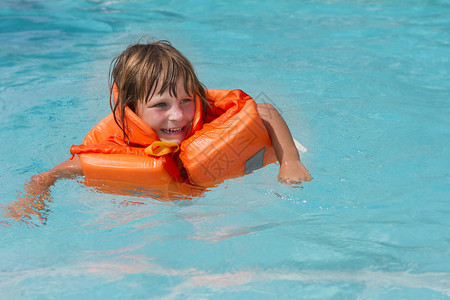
column 364, row 85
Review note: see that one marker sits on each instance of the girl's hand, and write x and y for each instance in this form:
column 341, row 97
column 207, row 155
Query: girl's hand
column 26, row 207
column 36, row 194
column 293, row 172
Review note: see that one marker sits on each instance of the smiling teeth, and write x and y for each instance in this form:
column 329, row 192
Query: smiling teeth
column 172, row 130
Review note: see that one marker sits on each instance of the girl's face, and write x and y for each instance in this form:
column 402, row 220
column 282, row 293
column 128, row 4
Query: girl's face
column 169, row 116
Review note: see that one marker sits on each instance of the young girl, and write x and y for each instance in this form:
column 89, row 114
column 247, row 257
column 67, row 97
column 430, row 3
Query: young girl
column 159, row 85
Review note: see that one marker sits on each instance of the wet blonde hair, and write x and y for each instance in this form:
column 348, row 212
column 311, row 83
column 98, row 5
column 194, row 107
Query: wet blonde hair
column 141, row 69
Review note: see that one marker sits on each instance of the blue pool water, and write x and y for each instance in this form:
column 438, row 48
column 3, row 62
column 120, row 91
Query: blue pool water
column 364, row 85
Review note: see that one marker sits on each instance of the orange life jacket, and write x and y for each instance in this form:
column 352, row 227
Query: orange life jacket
column 229, row 141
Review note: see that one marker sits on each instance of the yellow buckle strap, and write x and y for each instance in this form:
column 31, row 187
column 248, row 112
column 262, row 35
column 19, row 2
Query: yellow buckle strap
column 158, row 148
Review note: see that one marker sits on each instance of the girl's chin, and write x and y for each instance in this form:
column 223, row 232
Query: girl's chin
column 177, row 137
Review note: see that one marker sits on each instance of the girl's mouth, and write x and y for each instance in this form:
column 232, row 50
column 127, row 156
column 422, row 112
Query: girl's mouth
column 173, row 130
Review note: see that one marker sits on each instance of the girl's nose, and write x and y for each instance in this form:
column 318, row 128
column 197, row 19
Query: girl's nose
column 176, row 113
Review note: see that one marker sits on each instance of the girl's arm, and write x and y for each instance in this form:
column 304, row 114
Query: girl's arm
column 292, row 170
column 37, row 190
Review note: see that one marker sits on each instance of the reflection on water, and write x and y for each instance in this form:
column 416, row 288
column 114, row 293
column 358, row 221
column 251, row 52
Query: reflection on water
column 203, row 283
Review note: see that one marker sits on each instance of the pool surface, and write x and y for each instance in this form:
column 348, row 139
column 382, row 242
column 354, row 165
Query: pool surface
column 364, row 85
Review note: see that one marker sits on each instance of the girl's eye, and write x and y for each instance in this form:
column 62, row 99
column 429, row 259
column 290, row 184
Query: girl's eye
column 161, row 104
column 186, row 100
